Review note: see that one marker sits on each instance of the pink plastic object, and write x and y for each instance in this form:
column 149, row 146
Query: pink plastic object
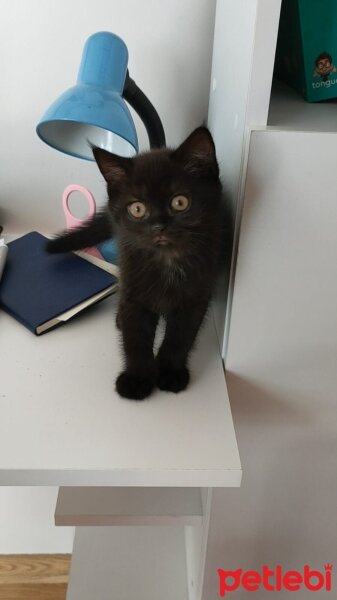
column 73, row 222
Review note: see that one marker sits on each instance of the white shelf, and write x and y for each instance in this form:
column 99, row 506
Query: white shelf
column 78, row 506
column 128, row 563
column 288, row 110
column 62, row 423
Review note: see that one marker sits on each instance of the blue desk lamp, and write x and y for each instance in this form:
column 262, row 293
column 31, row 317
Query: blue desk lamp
column 94, row 112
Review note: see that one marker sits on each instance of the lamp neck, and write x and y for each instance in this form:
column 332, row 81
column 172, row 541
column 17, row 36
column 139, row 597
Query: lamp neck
column 146, row 111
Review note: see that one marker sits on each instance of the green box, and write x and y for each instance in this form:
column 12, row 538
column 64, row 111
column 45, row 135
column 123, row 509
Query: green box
column 307, row 48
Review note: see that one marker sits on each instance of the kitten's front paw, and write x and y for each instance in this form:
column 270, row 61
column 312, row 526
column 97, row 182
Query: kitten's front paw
column 133, row 386
column 173, row 380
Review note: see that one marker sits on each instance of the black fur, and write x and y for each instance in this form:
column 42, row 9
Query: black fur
column 96, row 230
column 173, row 278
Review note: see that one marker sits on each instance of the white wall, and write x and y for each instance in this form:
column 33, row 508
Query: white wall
column 27, row 522
column 41, row 41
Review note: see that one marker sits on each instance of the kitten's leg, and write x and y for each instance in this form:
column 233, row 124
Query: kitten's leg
column 93, row 232
column 182, row 327
column 138, row 327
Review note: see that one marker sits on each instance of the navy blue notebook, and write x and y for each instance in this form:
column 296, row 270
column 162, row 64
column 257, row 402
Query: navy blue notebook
column 44, row 290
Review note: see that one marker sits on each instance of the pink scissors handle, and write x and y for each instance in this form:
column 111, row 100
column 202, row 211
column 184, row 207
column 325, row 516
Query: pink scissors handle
column 71, row 221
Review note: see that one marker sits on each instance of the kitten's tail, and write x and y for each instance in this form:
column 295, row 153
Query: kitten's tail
column 93, row 232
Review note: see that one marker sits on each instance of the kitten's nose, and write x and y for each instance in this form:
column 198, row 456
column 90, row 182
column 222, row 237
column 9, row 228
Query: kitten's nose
column 158, row 227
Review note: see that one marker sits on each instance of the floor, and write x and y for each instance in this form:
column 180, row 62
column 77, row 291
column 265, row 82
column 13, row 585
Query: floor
column 34, row 577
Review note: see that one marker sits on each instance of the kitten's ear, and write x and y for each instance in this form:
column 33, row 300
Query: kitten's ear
column 197, row 154
column 112, row 167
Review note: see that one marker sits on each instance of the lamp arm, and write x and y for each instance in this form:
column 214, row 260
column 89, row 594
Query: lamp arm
column 146, row 111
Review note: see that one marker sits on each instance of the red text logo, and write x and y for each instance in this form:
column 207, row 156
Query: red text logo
column 275, row 580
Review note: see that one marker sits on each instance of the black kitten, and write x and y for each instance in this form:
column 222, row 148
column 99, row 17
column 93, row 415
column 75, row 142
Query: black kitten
column 164, row 207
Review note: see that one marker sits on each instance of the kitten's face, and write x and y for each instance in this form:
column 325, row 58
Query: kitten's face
column 159, row 207
column 160, row 200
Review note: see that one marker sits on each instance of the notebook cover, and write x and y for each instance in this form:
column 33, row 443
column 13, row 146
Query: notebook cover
column 37, row 287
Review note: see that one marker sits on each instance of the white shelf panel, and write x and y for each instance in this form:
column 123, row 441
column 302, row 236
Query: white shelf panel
column 128, row 563
column 92, row 506
column 288, row 110
column 62, row 423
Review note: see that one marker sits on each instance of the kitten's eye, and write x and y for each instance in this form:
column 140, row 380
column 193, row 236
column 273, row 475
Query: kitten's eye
column 180, row 203
column 137, row 210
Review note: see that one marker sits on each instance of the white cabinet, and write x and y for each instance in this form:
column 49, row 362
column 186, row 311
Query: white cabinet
column 281, row 345
column 242, row 69
column 281, row 362
column 284, row 305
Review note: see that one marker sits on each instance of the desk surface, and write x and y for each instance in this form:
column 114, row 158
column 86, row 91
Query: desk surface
column 62, row 423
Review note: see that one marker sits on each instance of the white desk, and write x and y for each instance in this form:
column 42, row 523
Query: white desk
column 62, row 423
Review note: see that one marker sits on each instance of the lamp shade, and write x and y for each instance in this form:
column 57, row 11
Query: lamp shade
column 93, row 111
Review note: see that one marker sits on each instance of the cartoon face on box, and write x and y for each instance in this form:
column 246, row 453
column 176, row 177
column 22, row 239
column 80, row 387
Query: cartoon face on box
column 324, row 66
